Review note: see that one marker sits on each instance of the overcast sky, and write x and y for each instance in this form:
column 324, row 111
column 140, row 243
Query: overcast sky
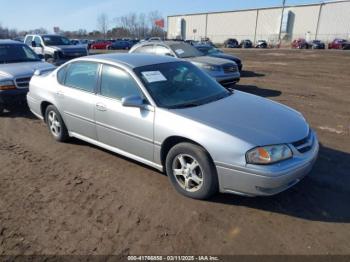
column 76, row 14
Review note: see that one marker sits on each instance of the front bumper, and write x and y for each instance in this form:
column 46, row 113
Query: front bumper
column 253, row 180
column 228, row 79
column 9, row 98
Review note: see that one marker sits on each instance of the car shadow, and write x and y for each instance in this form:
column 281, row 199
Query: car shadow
column 79, row 142
column 247, row 74
column 322, row 196
column 257, row 90
column 20, row 111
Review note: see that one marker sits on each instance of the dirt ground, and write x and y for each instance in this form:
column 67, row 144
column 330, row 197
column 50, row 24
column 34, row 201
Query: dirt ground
column 78, row 199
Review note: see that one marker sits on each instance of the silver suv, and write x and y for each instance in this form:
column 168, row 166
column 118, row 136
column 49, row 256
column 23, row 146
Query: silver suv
column 226, row 72
column 55, row 49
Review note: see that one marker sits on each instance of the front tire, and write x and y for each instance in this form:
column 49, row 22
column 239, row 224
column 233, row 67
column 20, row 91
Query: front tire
column 55, row 124
column 191, row 171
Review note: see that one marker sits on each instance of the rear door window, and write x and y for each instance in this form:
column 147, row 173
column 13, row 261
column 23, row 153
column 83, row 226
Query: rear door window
column 82, row 75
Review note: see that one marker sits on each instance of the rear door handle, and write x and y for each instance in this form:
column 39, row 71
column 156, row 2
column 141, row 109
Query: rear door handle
column 101, row 107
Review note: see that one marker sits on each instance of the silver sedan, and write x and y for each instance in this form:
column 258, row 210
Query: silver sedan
column 170, row 115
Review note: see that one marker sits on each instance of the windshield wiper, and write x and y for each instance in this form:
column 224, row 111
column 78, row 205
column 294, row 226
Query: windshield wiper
column 185, row 105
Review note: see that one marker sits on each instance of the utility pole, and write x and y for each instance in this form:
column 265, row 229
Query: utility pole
column 280, row 31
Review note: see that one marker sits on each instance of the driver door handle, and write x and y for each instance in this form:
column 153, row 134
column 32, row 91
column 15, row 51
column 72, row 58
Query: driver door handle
column 101, row 107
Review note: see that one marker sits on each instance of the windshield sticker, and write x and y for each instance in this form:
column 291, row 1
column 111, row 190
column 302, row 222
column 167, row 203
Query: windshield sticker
column 179, row 51
column 154, row 76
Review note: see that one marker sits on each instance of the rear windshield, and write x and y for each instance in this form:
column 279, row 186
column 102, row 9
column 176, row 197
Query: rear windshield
column 183, row 50
column 13, row 53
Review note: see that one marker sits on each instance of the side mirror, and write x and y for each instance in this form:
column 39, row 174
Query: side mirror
column 33, row 44
column 133, row 101
column 41, row 56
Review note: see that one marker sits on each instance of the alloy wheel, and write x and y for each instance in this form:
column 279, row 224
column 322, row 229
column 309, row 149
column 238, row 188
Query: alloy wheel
column 188, row 173
column 54, row 124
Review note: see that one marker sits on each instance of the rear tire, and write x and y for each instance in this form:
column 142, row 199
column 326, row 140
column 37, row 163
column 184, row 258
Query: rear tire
column 55, row 124
column 191, row 171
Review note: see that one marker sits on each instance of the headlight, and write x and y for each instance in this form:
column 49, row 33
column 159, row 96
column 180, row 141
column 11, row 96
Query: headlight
column 210, row 67
column 7, row 85
column 268, row 154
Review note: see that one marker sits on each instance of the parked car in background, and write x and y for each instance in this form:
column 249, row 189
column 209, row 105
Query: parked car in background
column 317, row 44
column 134, row 42
column 150, row 39
column 17, row 65
column 339, row 44
column 170, row 115
column 101, row 44
column 55, row 49
column 19, row 39
column 215, row 52
column 192, row 42
column 261, row 44
column 120, row 44
column 231, row 43
column 206, row 41
column 246, row 43
column 300, row 43
column 81, row 42
column 224, row 71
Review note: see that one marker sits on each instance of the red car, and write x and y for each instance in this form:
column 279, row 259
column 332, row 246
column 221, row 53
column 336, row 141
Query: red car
column 300, row 44
column 101, row 44
column 339, row 44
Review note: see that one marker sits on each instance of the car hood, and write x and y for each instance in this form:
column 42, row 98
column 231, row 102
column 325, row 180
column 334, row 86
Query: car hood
column 209, row 60
column 251, row 118
column 70, row 48
column 24, row 69
column 226, row 56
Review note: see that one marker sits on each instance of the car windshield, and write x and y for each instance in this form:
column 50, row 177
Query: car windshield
column 184, row 50
column 180, row 85
column 16, row 53
column 51, row 40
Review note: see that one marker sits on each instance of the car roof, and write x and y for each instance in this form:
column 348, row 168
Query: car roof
column 11, row 42
column 132, row 60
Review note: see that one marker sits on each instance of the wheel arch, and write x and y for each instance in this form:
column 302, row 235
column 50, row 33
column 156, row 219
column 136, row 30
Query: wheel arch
column 43, row 107
column 172, row 141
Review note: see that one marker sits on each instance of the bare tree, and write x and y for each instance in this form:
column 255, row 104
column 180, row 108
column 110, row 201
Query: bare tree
column 103, row 24
column 38, row 31
column 138, row 25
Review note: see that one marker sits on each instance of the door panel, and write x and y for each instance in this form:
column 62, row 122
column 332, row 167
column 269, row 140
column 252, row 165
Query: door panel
column 126, row 128
column 79, row 111
column 78, row 98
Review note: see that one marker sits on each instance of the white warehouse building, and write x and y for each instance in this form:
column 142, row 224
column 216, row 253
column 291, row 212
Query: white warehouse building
column 324, row 21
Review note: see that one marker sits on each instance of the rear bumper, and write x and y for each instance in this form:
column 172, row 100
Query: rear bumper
column 13, row 97
column 266, row 180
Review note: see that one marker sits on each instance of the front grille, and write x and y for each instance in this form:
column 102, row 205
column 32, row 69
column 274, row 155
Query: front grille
column 23, row 82
column 230, row 68
column 304, row 145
